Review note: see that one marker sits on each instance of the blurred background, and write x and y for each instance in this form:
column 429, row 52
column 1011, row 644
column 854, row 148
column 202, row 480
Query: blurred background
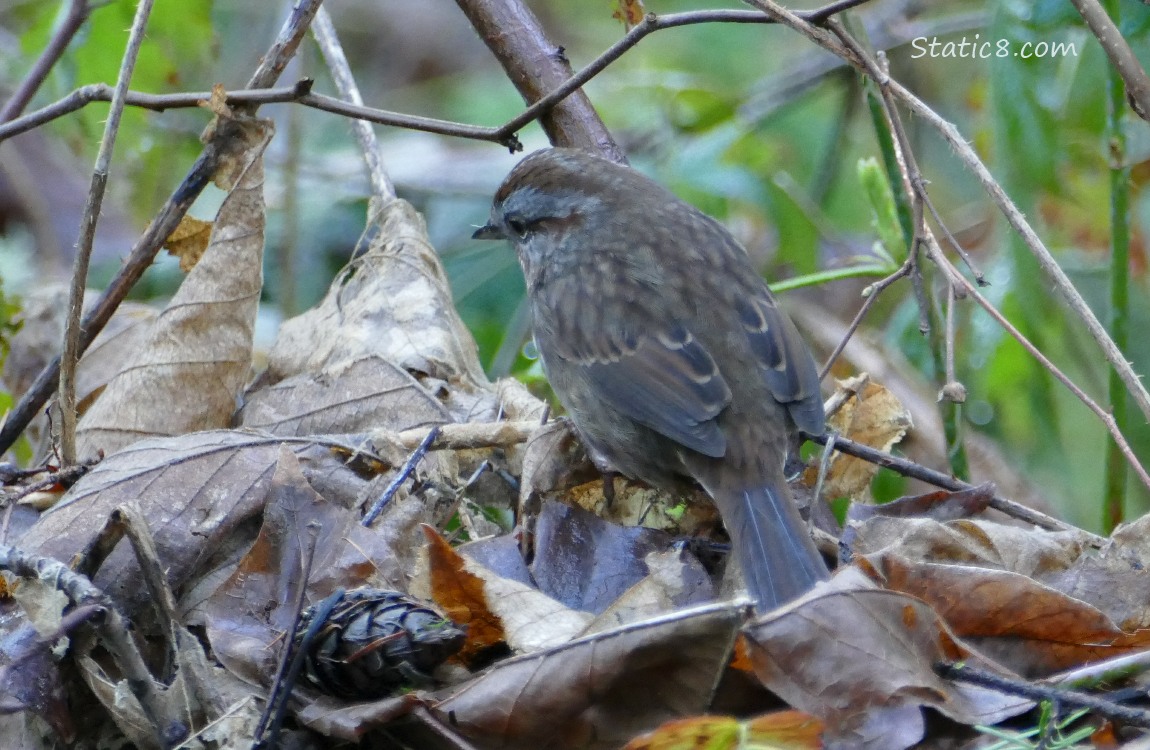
column 751, row 123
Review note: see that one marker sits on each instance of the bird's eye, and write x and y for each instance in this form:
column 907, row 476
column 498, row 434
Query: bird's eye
column 518, row 225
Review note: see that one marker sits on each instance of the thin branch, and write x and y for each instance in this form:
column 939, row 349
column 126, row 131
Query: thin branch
column 324, row 32
column 113, row 631
column 503, row 134
column 300, row 93
column 908, row 468
column 1039, row 692
column 78, row 12
column 71, row 355
column 1121, row 56
column 979, row 277
column 1106, row 417
column 872, row 293
column 157, row 232
column 1047, row 262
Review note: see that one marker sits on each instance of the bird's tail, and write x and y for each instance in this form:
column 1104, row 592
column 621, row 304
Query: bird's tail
column 771, row 543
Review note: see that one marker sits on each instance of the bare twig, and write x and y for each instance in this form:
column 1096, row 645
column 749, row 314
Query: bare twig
column 400, row 477
column 324, row 32
column 469, row 435
column 158, row 231
column 1121, row 56
column 71, row 347
column 537, row 67
column 872, row 294
column 1105, row 416
column 113, row 632
column 503, row 134
column 1046, row 261
column 159, row 592
column 78, row 12
column 979, row 277
column 284, row 682
column 910, row 469
column 1039, row 692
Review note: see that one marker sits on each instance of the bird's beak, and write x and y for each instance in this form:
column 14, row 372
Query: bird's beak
column 488, row 232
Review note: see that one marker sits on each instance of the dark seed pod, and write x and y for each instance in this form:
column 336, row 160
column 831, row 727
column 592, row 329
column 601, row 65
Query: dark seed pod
column 375, row 643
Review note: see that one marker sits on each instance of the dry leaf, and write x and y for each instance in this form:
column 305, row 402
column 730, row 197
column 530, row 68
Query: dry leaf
column 587, row 563
column 600, row 691
column 393, row 302
column 198, row 492
column 676, row 578
column 193, row 366
column 863, row 660
column 874, row 417
column 495, row 608
column 349, row 397
column 1022, row 624
column 248, row 615
column 189, row 241
column 630, row 12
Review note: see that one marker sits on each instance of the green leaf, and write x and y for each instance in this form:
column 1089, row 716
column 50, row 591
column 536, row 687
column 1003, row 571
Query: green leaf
column 884, row 213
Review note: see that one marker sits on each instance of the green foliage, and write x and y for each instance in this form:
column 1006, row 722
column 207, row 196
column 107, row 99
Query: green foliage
column 180, row 41
column 1051, row 733
column 885, row 221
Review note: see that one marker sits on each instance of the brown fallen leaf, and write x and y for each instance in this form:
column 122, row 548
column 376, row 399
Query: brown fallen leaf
column 349, row 397
column 600, row 691
column 189, row 241
column 394, row 302
column 248, row 614
column 460, row 594
column 497, row 608
column 873, row 417
column 587, row 563
column 1023, row 624
column 862, row 660
column 195, row 361
column 198, row 493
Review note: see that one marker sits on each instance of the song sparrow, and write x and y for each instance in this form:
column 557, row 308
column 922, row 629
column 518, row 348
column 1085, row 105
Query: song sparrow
column 667, row 349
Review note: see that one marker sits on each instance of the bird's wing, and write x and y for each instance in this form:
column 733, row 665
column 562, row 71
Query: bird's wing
column 787, row 366
column 651, row 370
column 669, row 383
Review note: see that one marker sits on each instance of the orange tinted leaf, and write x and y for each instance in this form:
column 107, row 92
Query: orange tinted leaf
column 461, row 596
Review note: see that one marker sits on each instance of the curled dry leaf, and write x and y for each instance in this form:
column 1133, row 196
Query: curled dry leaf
column 188, row 373
column 1029, row 627
column 198, row 493
column 875, row 417
column 675, row 579
column 393, row 302
column 348, row 397
column 599, row 691
column 587, row 563
column 862, row 660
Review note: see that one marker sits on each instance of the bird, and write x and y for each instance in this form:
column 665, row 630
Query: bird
column 667, row 350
